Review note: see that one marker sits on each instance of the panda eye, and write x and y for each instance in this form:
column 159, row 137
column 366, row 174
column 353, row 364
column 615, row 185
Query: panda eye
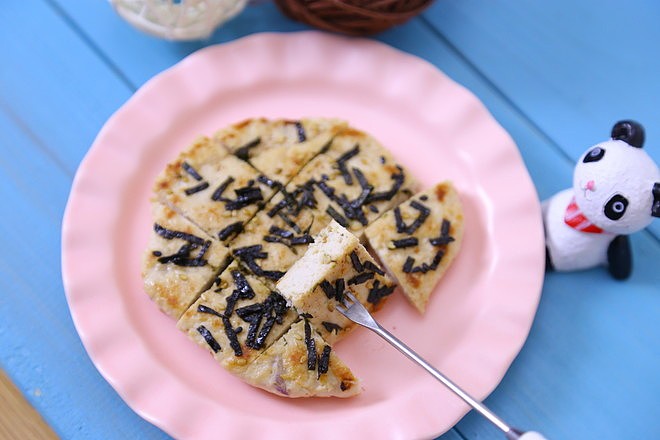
column 616, row 207
column 594, row 155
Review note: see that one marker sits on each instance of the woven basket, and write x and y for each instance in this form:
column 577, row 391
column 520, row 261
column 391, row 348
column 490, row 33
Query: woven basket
column 352, row 17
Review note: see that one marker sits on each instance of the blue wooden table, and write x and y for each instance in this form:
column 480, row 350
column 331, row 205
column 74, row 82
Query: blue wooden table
column 556, row 75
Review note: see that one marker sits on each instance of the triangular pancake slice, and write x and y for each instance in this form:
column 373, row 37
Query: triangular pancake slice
column 237, row 318
column 418, row 240
column 302, row 364
column 179, row 262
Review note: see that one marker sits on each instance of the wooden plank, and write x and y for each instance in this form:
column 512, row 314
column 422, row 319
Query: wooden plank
column 17, row 418
column 54, row 85
column 39, row 346
column 574, row 68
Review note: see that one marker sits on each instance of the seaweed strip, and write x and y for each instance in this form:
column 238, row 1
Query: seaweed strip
column 378, row 292
column 311, row 347
column 371, row 266
column 341, row 163
column 324, row 361
column 408, row 265
column 405, row 242
column 244, row 196
column 192, row 171
column 217, row 194
column 302, row 137
column 355, row 261
column 398, row 179
column 361, row 278
column 204, row 309
column 331, row 327
column 232, row 336
column 197, row 188
column 208, row 337
column 230, row 230
column 170, row 234
column 444, row 237
column 327, row 289
column 244, row 151
column 303, row 239
column 402, row 227
column 332, row 212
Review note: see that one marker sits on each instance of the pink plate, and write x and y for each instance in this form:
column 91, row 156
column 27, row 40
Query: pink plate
column 476, row 322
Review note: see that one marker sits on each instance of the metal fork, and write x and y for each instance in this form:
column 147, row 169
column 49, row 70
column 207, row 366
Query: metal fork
column 356, row 312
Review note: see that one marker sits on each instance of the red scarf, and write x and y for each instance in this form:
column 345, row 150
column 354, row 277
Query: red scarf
column 576, row 220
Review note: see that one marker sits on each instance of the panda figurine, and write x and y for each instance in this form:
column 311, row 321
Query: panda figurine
column 616, row 191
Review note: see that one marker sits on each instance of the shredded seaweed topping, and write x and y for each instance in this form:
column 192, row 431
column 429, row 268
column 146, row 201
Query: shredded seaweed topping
column 444, row 237
column 424, row 198
column 398, row 179
column 357, row 203
column 242, row 285
column 244, row 196
column 169, row 234
column 156, row 253
column 368, row 265
column 242, row 290
column 301, row 132
column 182, row 257
column 373, row 209
column 289, row 222
column 280, row 232
column 332, row 212
column 274, row 309
column 405, row 242
column 303, row 239
column 378, row 292
column 355, row 261
column 217, row 194
column 361, row 278
column 232, row 336
column 362, row 180
column 324, row 361
column 269, row 182
column 230, row 230
column 409, row 266
column 341, row 163
column 402, row 227
column 311, row 347
column 197, row 188
column 336, row 291
column 331, row 327
column 204, row 309
column 208, row 337
column 190, row 170
column 244, row 151
column 287, row 238
column 249, row 254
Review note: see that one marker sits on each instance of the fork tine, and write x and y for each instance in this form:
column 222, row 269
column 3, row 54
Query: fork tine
column 351, row 296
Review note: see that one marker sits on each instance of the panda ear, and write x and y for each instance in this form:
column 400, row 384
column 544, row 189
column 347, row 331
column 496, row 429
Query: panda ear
column 630, row 132
column 655, row 208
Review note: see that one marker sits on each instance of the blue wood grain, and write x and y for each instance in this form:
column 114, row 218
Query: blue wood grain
column 53, row 82
column 573, row 68
column 39, row 347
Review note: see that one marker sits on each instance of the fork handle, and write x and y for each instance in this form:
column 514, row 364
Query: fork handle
column 511, row 433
